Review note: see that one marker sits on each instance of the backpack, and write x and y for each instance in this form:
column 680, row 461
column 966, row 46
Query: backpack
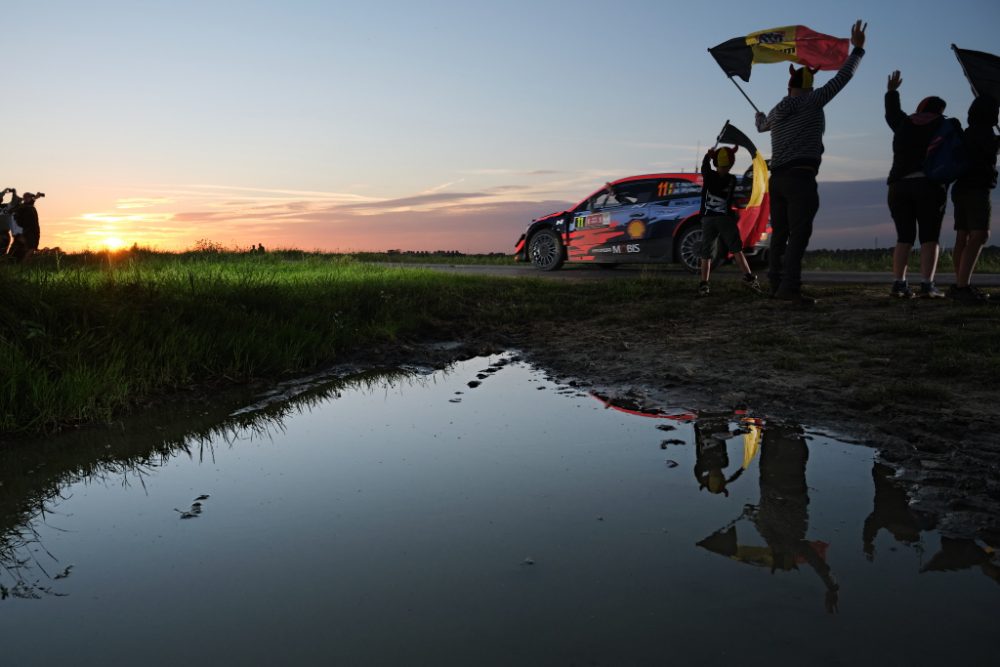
column 946, row 157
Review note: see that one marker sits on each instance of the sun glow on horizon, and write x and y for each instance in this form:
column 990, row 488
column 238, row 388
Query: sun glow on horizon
column 112, row 243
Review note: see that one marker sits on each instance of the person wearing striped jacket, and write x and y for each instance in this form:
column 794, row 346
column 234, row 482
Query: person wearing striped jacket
column 797, row 124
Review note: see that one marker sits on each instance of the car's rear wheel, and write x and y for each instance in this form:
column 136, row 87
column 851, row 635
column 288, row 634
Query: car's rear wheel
column 546, row 250
column 689, row 248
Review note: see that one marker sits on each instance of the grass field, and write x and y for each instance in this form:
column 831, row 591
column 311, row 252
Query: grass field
column 84, row 337
column 89, row 336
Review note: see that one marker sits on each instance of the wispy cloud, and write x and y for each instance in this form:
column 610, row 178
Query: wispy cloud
column 142, row 202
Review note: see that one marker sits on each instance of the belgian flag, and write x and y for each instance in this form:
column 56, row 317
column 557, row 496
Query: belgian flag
column 754, row 217
column 796, row 43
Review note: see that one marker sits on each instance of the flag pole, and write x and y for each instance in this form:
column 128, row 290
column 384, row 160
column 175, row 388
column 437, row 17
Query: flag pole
column 744, row 94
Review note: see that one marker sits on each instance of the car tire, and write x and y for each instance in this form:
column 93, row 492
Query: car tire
column 689, row 248
column 545, row 250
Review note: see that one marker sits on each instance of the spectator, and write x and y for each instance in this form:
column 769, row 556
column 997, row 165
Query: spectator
column 797, row 125
column 971, row 197
column 915, row 201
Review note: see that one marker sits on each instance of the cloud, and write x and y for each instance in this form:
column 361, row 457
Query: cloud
column 142, row 202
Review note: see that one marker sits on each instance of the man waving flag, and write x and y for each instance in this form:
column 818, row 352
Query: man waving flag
column 796, row 43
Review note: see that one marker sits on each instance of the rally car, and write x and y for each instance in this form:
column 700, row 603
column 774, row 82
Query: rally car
column 651, row 218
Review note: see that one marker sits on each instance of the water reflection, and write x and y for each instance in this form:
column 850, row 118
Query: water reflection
column 711, row 434
column 781, row 516
column 33, row 474
column 372, row 519
column 892, row 512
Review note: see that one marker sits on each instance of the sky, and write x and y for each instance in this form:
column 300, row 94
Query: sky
column 423, row 125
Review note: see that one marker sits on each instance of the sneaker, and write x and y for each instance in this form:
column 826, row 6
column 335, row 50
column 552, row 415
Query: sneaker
column 704, row 289
column 929, row 291
column 901, row 290
column 985, row 296
column 795, row 297
column 964, row 294
column 752, row 283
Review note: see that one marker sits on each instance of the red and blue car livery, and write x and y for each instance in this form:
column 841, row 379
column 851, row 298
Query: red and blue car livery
column 652, row 218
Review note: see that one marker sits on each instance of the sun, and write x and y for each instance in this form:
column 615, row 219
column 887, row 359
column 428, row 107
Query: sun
column 113, row 243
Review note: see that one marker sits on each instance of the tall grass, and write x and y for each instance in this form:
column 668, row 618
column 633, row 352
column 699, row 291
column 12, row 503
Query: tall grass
column 83, row 337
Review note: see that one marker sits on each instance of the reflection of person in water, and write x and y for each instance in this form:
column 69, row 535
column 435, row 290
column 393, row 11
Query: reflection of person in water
column 782, row 517
column 711, row 456
column 892, row 512
column 960, row 554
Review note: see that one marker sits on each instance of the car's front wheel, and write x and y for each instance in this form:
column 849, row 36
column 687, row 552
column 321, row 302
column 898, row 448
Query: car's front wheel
column 546, row 250
column 689, row 248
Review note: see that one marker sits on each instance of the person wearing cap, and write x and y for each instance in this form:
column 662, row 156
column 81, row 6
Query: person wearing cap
column 719, row 216
column 915, row 201
column 26, row 217
column 971, row 197
column 797, row 124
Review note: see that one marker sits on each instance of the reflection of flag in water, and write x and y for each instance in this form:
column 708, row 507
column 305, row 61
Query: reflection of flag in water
column 751, row 441
column 796, row 43
column 982, row 70
column 753, row 218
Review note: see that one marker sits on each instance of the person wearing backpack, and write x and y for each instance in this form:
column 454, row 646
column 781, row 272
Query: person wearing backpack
column 915, row 201
column 971, row 197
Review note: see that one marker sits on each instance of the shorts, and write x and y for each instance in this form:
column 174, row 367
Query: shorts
column 917, row 202
column 723, row 228
column 972, row 209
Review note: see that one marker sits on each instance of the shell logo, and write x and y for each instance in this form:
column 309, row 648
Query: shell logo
column 636, row 229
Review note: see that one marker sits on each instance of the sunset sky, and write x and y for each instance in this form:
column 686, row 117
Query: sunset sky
column 422, row 125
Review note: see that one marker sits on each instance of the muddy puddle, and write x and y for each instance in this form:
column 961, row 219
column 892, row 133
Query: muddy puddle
column 481, row 515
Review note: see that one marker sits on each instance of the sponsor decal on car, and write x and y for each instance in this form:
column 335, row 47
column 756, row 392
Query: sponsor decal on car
column 591, row 221
column 636, row 229
column 668, row 188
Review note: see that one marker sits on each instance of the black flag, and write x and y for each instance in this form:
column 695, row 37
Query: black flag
column 982, row 70
column 731, row 135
